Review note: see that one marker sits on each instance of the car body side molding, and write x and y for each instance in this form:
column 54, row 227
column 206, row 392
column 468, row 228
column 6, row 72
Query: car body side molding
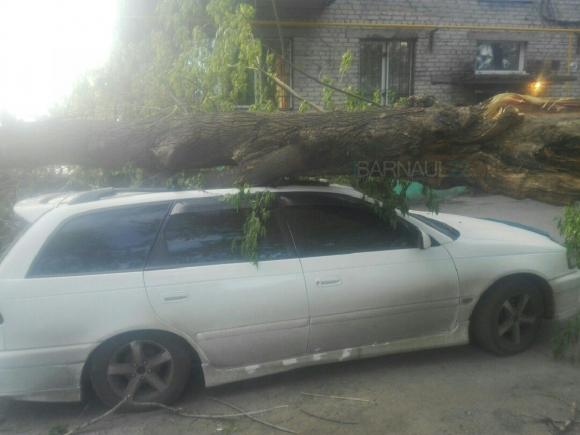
column 218, row 376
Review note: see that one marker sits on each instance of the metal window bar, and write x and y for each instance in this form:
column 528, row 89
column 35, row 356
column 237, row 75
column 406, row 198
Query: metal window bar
column 388, row 66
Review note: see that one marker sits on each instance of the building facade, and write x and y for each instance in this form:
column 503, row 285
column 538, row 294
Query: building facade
column 459, row 51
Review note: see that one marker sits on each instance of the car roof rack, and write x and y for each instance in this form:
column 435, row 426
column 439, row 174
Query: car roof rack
column 108, row 192
column 97, row 194
column 289, row 181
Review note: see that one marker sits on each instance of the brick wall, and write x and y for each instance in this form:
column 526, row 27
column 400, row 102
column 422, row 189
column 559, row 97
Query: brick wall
column 319, row 50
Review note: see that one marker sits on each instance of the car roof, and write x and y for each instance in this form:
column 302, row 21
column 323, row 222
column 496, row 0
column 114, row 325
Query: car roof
column 33, row 208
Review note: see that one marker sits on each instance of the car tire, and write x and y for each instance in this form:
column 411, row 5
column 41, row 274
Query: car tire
column 152, row 367
column 508, row 318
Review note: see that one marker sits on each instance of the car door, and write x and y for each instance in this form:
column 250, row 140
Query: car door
column 238, row 312
column 86, row 282
column 367, row 280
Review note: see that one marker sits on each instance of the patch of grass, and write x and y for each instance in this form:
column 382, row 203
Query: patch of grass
column 569, row 227
column 566, row 341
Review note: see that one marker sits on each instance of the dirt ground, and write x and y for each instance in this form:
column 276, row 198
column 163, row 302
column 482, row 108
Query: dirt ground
column 460, row 390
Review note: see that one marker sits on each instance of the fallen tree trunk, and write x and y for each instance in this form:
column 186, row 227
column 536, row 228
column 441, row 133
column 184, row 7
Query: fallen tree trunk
column 519, row 146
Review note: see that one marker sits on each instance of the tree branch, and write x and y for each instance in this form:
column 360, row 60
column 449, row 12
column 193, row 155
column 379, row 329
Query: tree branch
column 257, row 420
column 289, row 89
column 182, row 413
column 95, row 420
column 330, row 86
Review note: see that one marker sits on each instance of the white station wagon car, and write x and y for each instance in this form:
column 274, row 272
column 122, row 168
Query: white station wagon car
column 129, row 292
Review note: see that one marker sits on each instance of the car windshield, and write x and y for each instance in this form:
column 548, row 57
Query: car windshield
column 448, row 230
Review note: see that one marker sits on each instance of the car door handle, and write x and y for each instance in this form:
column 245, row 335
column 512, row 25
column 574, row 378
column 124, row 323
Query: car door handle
column 328, row 282
column 174, row 297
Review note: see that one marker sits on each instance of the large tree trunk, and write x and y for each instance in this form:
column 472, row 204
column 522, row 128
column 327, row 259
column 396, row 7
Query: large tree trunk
column 520, row 146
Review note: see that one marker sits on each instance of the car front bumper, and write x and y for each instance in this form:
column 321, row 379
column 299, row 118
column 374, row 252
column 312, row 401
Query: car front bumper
column 52, row 374
column 566, row 295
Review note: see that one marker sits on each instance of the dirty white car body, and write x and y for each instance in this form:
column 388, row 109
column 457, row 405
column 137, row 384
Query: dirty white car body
column 244, row 320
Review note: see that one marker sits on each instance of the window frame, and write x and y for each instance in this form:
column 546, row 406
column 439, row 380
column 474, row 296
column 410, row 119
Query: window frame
column 385, row 64
column 65, row 221
column 521, row 60
column 190, row 205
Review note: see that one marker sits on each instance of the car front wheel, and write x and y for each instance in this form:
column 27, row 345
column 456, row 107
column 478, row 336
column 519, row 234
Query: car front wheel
column 143, row 367
column 508, row 319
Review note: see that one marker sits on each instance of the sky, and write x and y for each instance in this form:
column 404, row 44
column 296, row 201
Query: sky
column 46, row 46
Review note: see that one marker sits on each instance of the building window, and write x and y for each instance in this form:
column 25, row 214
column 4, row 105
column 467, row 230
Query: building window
column 387, row 68
column 500, row 57
column 281, row 68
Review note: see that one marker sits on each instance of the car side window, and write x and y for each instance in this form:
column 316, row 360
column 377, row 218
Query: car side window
column 101, row 242
column 213, row 236
column 321, row 230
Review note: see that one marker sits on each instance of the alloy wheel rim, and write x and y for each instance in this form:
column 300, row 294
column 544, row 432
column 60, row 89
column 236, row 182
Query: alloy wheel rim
column 516, row 319
column 140, row 370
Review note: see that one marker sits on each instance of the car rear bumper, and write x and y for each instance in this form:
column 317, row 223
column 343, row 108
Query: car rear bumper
column 566, row 295
column 52, row 374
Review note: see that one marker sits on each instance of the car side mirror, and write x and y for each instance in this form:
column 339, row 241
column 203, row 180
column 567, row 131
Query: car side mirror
column 425, row 240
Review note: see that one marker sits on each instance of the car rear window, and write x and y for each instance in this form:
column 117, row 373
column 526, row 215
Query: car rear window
column 110, row 241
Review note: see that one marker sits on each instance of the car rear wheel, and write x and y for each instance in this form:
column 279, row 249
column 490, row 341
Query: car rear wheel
column 507, row 320
column 144, row 367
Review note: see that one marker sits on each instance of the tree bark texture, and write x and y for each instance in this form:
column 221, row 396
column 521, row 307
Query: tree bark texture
column 516, row 145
